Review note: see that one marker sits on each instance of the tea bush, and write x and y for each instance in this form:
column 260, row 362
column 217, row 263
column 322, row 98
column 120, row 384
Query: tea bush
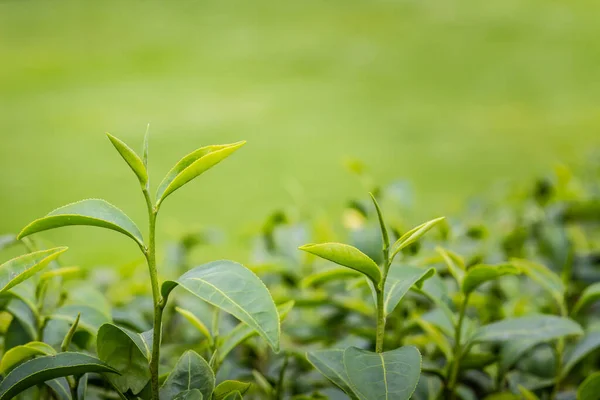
column 497, row 303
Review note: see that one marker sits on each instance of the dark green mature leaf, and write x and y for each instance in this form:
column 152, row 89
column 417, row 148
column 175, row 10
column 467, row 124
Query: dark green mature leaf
column 193, row 394
column 389, row 375
column 413, row 235
column 242, row 332
column 131, row 158
column 480, row 274
column 82, row 387
column 399, row 281
column 331, row 364
column 236, row 290
column 513, row 350
column 586, row 345
column 192, row 165
column 18, row 354
column 90, row 212
column 190, row 372
column 589, row 295
column 45, row 368
column 126, row 352
column 24, row 267
column 536, row 327
column 346, row 255
column 590, row 388
column 225, row 388
column 544, row 277
column 60, row 387
column 27, row 320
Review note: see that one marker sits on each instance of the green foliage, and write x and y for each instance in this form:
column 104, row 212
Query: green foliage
column 191, row 372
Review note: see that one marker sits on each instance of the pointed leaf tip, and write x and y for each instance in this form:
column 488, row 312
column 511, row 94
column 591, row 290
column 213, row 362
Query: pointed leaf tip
column 131, row 158
column 24, row 267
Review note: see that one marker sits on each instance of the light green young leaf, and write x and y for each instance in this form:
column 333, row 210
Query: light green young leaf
column 46, row 368
column 192, row 165
column 413, row 235
column 236, row 290
column 526, row 394
column 333, row 274
column 543, row 276
column 190, row 372
column 590, row 387
column 195, row 321
column 145, row 149
column 69, row 336
column 480, row 274
column 126, row 352
column 399, row 281
column 330, row 363
column 455, row 264
column 436, row 336
column 193, row 394
column 131, row 158
column 90, row 212
column 536, row 327
column 384, row 233
column 234, row 396
column 24, row 267
column 63, row 271
column 226, row 388
column 91, row 318
column 581, row 349
column 389, row 375
column 242, row 332
column 590, row 294
column 18, row 354
column 263, row 384
column 348, row 256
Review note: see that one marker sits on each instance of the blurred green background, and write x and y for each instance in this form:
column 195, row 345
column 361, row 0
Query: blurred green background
column 453, row 95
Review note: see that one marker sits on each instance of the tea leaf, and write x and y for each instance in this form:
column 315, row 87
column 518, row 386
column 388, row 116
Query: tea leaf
column 384, row 233
column 131, row 158
column 589, row 295
column 321, row 277
column 236, row 290
column 226, row 388
column 45, row 368
column 190, row 372
column 389, row 375
column 24, row 267
column 82, row 387
column 91, row 318
column 586, row 345
column 480, row 274
column 199, row 325
column 192, row 165
column 590, row 387
column 526, row 394
column 126, row 352
column 23, row 352
column 60, row 272
column 399, row 281
column 242, row 332
column 331, row 364
column 536, row 327
column 455, row 264
column 413, row 235
column 346, row 255
column 544, row 277
column 234, row 396
column 193, row 394
column 513, row 350
column 90, row 212
column 61, row 388
column 69, row 336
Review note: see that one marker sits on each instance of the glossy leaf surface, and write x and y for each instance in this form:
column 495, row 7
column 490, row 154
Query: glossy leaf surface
column 346, row 255
column 238, row 291
column 225, row 388
column 413, row 235
column 330, row 363
column 192, row 165
column 90, row 212
column 480, row 274
column 190, row 372
column 126, row 352
column 388, row 375
column 45, row 368
column 131, row 158
column 399, row 281
column 23, row 352
column 24, row 267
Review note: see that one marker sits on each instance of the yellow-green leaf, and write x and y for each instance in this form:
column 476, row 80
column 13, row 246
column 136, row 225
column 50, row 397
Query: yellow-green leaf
column 23, row 352
column 131, row 158
column 195, row 321
column 192, row 165
column 321, row 277
column 413, row 235
column 480, row 274
column 225, row 388
column 590, row 294
column 90, row 212
column 24, row 267
column 346, row 255
column 590, row 388
column 543, row 276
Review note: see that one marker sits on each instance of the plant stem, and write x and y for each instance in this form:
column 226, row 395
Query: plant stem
column 455, row 367
column 380, row 322
column 279, row 393
column 158, row 303
column 560, row 346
